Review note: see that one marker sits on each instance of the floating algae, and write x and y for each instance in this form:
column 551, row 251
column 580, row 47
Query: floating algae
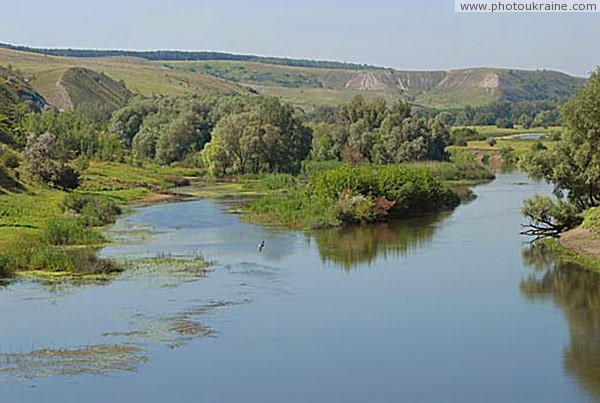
column 98, row 359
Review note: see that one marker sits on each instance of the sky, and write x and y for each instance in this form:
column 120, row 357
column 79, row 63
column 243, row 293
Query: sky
column 407, row 35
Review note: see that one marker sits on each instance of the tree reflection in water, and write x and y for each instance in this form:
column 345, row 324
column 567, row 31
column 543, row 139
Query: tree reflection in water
column 577, row 292
column 349, row 247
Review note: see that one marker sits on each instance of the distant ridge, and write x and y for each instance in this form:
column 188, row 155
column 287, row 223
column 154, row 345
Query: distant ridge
column 307, row 84
column 182, row 55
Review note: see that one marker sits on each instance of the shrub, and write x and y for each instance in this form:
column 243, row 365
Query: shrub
column 491, row 141
column 351, row 208
column 508, row 155
column 66, row 178
column 94, row 210
column 413, row 189
column 69, row 231
column 11, row 160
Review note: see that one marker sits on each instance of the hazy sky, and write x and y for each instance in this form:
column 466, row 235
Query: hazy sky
column 416, row 34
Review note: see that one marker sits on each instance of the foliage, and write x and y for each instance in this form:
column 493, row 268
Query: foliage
column 413, row 189
column 380, row 133
column 94, row 210
column 508, row 156
column 69, row 231
column 75, row 134
column 269, row 138
column 252, row 73
column 505, row 113
column 279, row 181
column 46, row 162
column 460, row 135
column 592, row 219
column 35, row 255
column 573, row 164
column 180, row 55
column 355, row 195
column 548, row 217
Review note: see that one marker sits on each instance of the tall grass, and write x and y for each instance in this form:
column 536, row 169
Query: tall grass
column 69, row 231
column 94, row 210
column 36, row 255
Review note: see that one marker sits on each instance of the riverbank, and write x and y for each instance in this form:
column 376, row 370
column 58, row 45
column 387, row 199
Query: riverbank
column 583, row 243
column 48, row 230
column 48, row 233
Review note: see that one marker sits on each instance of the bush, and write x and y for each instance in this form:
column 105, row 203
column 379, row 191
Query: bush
column 508, row 156
column 11, row 160
column 66, row 178
column 69, row 231
column 491, row 141
column 413, row 189
column 94, row 210
column 353, row 208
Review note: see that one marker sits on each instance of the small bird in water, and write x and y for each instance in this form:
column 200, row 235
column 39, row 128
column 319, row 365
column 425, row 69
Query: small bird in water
column 261, row 246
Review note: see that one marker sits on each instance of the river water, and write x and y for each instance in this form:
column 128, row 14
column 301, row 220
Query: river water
column 453, row 307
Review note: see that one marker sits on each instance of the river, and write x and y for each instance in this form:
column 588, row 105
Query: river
column 452, row 307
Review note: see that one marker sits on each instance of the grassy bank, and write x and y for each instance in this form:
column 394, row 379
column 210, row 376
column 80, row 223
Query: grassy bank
column 45, row 229
column 569, row 255
column 581, row 245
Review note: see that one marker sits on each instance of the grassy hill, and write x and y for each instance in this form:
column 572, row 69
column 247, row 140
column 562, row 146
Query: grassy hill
column 441, row 89
column 188, row 55
column 304, row 83
column 82, row 86
column 50, row 76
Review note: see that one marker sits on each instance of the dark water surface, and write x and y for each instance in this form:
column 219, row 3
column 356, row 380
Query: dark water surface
column 448, row 308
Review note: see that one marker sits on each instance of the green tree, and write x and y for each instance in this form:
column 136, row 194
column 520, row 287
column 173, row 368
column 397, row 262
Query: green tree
column 573, row 164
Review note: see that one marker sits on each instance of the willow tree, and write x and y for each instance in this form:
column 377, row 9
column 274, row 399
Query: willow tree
column 573, row 164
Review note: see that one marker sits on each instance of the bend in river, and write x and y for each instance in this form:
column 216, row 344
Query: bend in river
column 436, row 308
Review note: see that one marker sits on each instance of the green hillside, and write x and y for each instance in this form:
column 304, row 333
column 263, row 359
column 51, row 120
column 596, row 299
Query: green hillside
column 86, row 87
column 51, row 76
column 188, row 56
column 308, row 85
column 311, row 87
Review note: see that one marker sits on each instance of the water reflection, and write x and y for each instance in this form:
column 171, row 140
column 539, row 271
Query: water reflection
column 577, row 292
column 349, row 247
